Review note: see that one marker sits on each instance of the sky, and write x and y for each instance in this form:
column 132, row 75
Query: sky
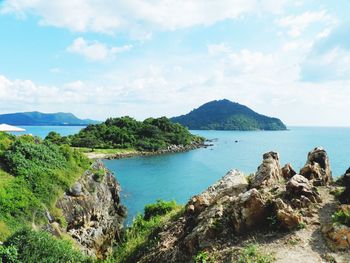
column 142, row 58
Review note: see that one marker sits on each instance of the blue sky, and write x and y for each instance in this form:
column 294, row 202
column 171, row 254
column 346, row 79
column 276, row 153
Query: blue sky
column 97, row 59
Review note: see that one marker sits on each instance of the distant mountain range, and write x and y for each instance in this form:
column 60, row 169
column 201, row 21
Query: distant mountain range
column 227, row 115
column 41, row 119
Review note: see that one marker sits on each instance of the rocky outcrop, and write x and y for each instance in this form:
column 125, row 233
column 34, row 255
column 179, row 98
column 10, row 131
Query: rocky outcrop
column 93, row 212
column 337, row 234
column 301, row 192
column 344, row 197
column 317, row 168
column 231, row 209
column 268, row 172
column 288, row 171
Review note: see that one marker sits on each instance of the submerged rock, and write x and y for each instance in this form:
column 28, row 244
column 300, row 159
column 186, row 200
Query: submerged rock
column 317, row 167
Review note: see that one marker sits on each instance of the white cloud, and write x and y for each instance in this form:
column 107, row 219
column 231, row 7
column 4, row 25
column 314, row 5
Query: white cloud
column 138, row 17
column 297, row 24
column 331, row 65
column 95, row 51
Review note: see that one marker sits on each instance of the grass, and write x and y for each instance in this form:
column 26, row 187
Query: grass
column 203, row 257
column 252, row 254
column 107, row 151
column 141, row 235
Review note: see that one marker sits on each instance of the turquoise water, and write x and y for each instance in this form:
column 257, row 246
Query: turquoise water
column 42, row 131
column 179, row 176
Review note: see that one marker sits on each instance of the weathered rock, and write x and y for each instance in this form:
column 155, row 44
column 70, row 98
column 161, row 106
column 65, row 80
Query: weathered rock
column 288, row 171
column 344, row 197
column 338, row 236
column 93, row 212
column 317, row 167
column 286, row 215
column 299, row 188
column 232, row 184
column 76, row 190
column 269, row 172
column 249, row 211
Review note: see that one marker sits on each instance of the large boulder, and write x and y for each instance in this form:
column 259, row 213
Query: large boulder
column 301, row 192
column 287, row 217
column 317, row 167
column 269, row 172
column 249, row 211
column 232, row 184
column 344, row 197
column 288, row 171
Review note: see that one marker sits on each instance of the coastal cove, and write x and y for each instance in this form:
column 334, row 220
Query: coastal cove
column 179, row 176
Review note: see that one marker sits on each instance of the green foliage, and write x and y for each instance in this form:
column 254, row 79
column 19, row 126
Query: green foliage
column 341, row 217
column 31, row 246
column 56, row 138
column 141, row 236
column 251, row 254
column 125, row 132
column 227, row 115
column 8, row 254
column 99, row 175
column 203, row 257
column 159, row 208
column 38, row 173
column 5, row 141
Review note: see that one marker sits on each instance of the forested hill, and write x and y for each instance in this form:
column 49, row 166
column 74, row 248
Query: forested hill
column 227, row 115
column 152, row 134
column 38, row 119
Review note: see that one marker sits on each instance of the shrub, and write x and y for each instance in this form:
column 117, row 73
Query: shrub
column 141, row 236
column 251, row 254
column 8, row 254
column 203, row 257
column 159, row 208
column 33, row 247
column 341, row 217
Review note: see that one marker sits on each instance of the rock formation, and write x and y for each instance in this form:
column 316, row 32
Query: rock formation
column 93, row 212
column 233, row 208
column 269, row 172
column 317, row 168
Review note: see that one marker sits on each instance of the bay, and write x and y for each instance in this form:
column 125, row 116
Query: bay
column 42, row 131
column 182, row 175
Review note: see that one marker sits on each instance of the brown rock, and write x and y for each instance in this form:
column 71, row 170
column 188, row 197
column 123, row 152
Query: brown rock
column 317, row 167
column 301, row 192
column 249, row 211
column 338, row 236
column 269, row 172
column 288, row 171
column 287, row 216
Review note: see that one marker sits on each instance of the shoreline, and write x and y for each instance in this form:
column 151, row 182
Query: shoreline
column 122, row 155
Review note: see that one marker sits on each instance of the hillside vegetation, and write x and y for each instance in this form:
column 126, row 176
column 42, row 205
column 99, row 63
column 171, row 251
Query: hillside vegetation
column 33, row 174
column 227, row 115
column 152, row 134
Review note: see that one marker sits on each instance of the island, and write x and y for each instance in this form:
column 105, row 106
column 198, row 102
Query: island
column 227, row 115
column 125, row 137
column 36, row 118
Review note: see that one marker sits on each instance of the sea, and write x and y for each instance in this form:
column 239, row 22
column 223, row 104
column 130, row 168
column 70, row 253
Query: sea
column 179, row 176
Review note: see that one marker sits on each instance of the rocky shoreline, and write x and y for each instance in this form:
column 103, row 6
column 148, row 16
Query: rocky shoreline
column 288, row 214
column 170, row 149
